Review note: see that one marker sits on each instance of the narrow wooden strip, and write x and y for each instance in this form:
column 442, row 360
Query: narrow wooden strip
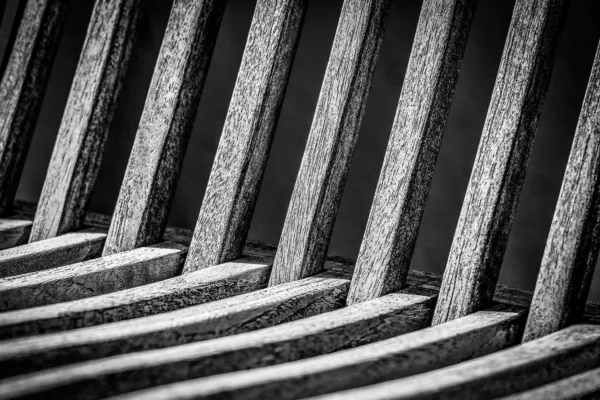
column 225, row 280
column 242, row 155
column 51, row 253
column 84, row 127
column 14, row 232
column 497, row 177
column 408, row 354
column 243, row 313
column 581, row 386
column 94, row 277
column 572, row 247
column 322, row 176
column 411, row 155
column 23, row 86
column 379, row 319
column 150, row 180
column 561, row 354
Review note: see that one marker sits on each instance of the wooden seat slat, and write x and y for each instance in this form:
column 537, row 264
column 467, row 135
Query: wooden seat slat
column 14, row 232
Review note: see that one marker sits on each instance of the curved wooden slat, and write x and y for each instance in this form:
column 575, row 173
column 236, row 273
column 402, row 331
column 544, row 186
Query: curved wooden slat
column 151, row 176
column 322, row 176
column 241, row 158
column 391, row 232
column 23, row 86
column 572, row 247
column 14, row 232
column 84, row 127
column 499, row 170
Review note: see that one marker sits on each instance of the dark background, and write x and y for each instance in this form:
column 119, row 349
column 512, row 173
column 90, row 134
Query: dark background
column 492, row 17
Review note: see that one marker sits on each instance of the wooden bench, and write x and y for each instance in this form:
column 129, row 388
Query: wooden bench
column 95, row 306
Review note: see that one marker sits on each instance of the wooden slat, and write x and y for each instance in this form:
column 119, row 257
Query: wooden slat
column 84, row 127
column 347, row 327
column 572, row 247
column 251, row 311
column 14, row 232
column 561, row 354
column 241, row 158
column 391, row 232
column 408, row 354
column 322, row 176
column 51, row 253
column 499, row 170
column 94, row 277
column 23, row 86
column 150, row 180
column 242, row 276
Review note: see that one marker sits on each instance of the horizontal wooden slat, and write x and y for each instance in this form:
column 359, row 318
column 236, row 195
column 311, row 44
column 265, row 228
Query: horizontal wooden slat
column 347, row 327
column 581, row 386
column 472, row 336
column 94, row 277
column 561, row 354
column 243, row 313
column 51, row 253
column 14, row 232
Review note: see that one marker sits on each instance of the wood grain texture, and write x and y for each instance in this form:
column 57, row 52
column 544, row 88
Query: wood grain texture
column 151, row 176
column 391, row 232
column 501, row 161
column 561, row 354
column 344, row 328
column 86, row 120
column 408, row 354
column 51, row 253
column 14, row 232
column 247, row 312
column 23, row 86
column 322, row 176
column 94, row 277
column 572, row 247
column 243, row 150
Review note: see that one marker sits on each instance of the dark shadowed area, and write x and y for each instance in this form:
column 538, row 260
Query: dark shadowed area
column 492, row 17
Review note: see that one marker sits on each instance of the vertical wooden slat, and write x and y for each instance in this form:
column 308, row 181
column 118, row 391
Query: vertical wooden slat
column 241, row 158
column 405, row 178
column 572, row 246
column 322, row 176
column 86, row 120
column 156, row 158
column 497, row 177
column 22, row 88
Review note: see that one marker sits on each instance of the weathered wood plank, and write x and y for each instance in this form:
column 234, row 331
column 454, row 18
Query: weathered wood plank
column 243, row 150
column 151, row 176
column 572, row 247
column 391, row 232
column 94, row 277
column 51, row 253
column 348, row 327
column 23, row 86
column 251, row 311
column 472, row 336
column 14, row 232
column 210, row 284
column 86, row 120
column 501, row 161
column 561, row 354
column 309, row 221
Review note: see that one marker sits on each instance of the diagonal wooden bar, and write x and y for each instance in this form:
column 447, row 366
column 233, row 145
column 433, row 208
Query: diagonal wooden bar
column 14, row 232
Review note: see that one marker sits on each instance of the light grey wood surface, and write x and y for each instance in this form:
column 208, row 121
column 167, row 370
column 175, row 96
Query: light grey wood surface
column 23, row 86
column 241, row 157
column 572, row 247
column 391, row 232
column 315, row 200
column 501, row 162
column 51, row 253
column 91, row 278
column 14, row 231
column 155, row 162
column 86, row 120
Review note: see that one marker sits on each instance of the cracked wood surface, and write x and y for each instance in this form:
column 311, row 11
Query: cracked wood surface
column 581, row 386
